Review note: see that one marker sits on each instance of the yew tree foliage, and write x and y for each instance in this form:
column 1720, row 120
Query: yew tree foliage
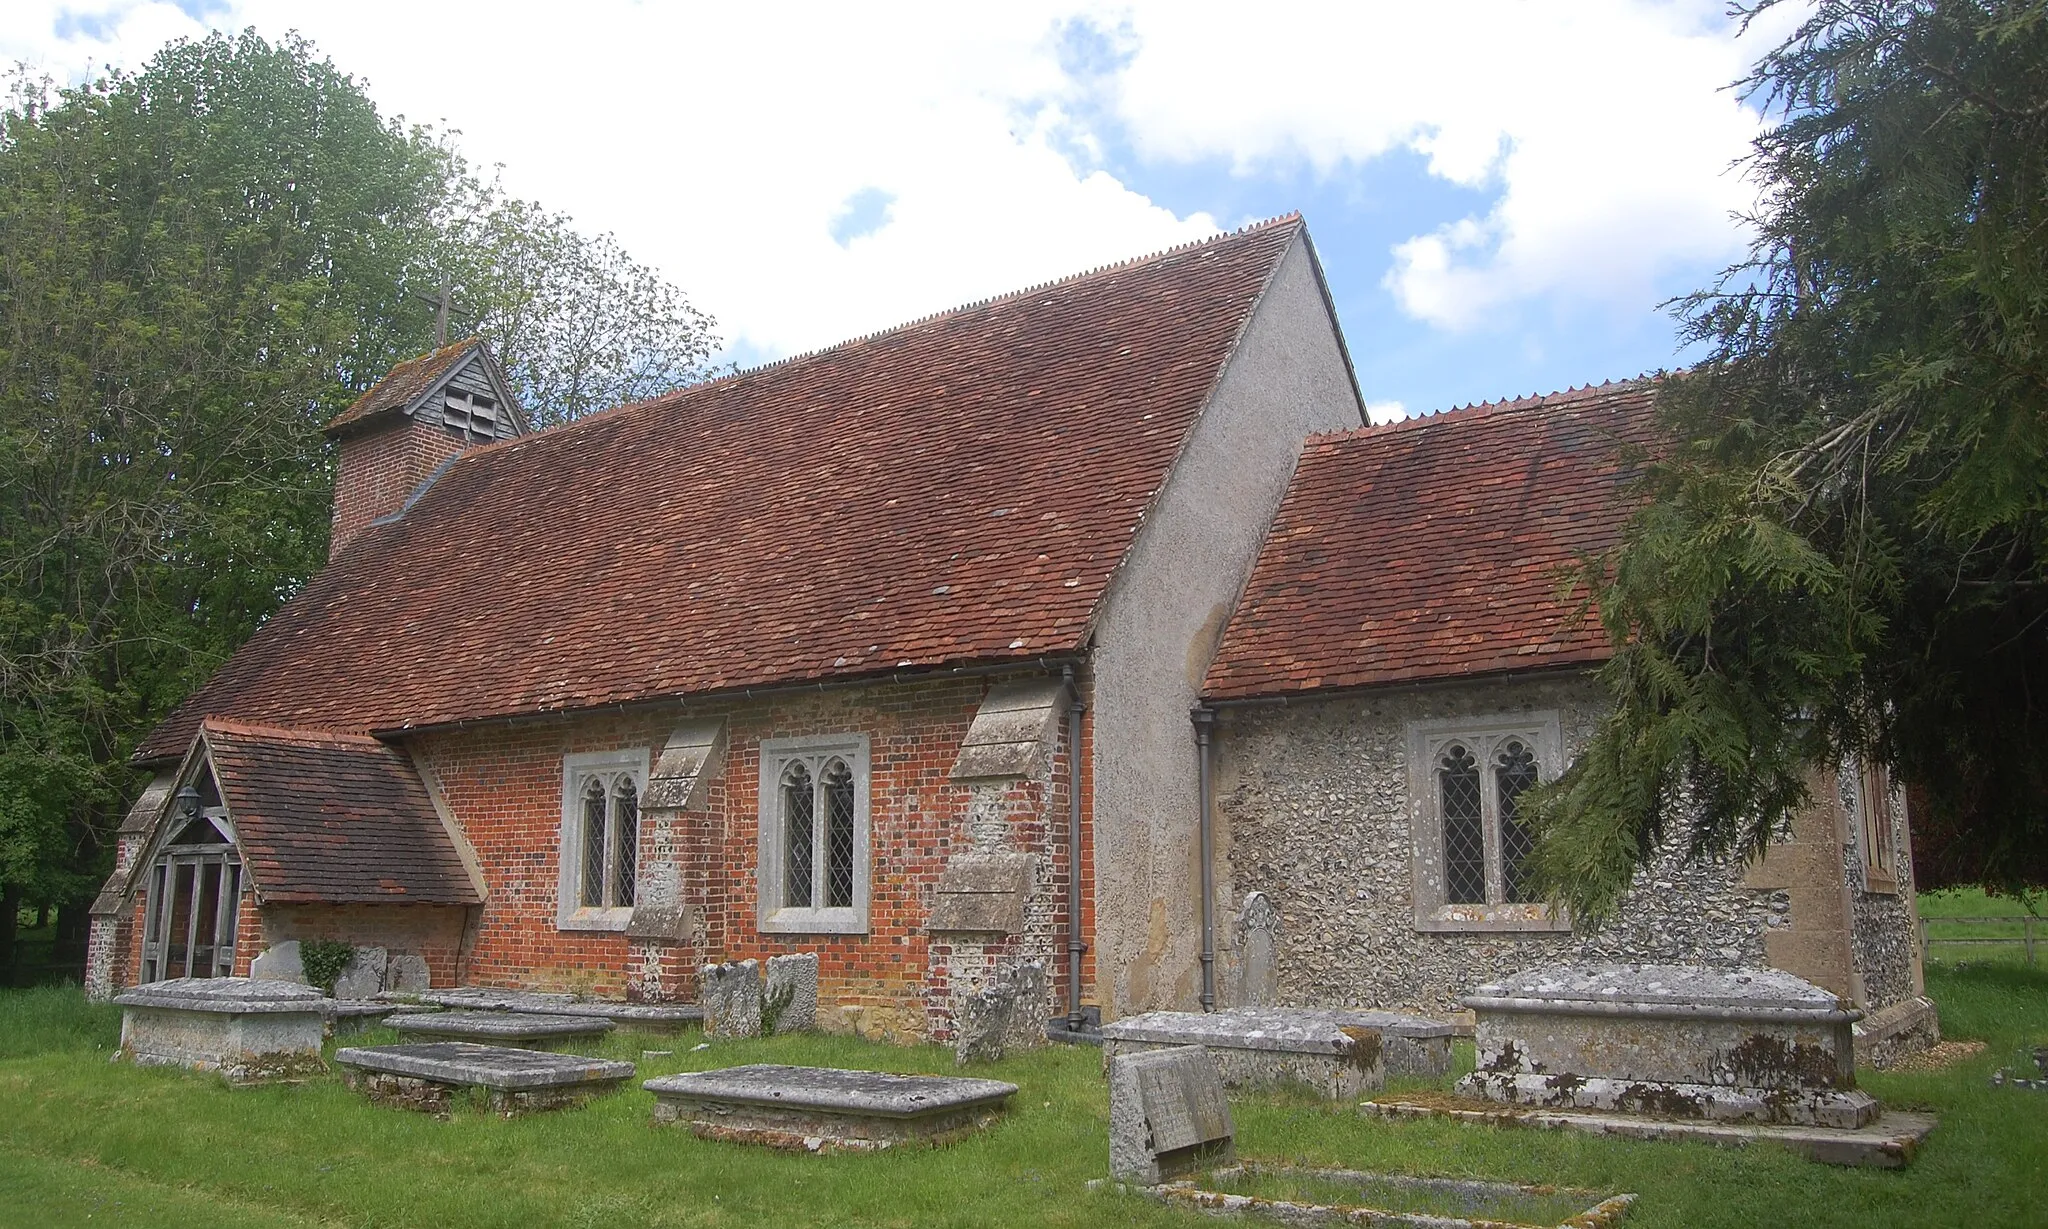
column 1845, row 551
column 200, row 263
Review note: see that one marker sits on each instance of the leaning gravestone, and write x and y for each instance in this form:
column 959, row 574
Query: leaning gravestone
column 1167, row 1116
column 1258, row 945
column 408, row 974
column 1003, row 1017
column 280, row 962
column 363, row 976
column 792, row 996
column 249, row 1031
column 731, row 994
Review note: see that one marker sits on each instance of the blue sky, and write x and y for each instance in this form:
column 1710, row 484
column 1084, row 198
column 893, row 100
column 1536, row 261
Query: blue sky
column 1502, row 193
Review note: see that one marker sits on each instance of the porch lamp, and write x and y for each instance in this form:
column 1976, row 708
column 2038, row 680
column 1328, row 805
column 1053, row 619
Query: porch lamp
column 186, row 803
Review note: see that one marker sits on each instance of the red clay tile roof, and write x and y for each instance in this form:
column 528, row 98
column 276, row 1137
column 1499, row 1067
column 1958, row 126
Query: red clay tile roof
column 333, row 818
column 1432, row 548
column 402, row 385
column 955, row 491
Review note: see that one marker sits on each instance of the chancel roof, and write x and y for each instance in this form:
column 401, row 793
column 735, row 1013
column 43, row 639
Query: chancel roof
column 1434, row 547
column 333, row 818
column 956, row 491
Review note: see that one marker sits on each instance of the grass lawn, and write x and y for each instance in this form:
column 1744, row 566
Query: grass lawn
column 86, row 1142
column 1938, row 908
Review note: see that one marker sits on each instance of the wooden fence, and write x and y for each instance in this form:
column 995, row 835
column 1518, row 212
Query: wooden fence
column 2026, row 922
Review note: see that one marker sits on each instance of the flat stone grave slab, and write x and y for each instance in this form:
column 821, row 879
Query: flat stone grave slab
column 356, row 1015
column 1409, row 1044
column 1266, row 1047
column 427, row 1076
column 819, row 1109
column 505, row 1028
column 1674, row 1041
column 1306, row 1196
column 249, row 1031
column 1891, row 1142
column 543, row 1003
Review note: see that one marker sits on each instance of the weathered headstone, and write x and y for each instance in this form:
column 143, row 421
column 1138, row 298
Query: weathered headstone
column 1258, row 945
column 1167, row 1116
column 279, row 962
column 1005, row 1016
column 731, row 995
column 408, row 974
column 363, row 976
column 791, row 1000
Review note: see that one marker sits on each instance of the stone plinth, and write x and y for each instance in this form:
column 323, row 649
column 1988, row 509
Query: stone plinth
column 1335, row 1054
column 1167, row 1115
column 1678, row 1041
column 816, row 1109
column 504, row 1028
column 248, row 1030
column 428, row 1075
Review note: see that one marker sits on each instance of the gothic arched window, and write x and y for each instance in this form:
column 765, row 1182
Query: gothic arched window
column 814, row 835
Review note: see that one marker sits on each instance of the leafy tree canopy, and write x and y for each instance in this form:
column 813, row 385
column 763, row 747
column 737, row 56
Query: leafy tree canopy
column 1845, row 552
column 200, row 263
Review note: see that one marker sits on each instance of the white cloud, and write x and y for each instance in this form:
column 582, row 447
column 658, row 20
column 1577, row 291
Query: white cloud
column 723, row 142
column 1382, row 412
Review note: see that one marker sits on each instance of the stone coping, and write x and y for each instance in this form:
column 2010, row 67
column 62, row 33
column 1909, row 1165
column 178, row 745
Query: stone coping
column 833, row 1090
column 1305, row 1030
column 545, row 1003
column 1669, row 991
column 497, row 1024
column 469, row 1064
column 226, row 996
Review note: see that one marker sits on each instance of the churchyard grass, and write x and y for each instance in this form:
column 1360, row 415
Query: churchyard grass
column 86, row 1142
column 1968, row 913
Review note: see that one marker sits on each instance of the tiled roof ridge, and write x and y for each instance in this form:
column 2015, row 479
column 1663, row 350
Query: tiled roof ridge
column 861, row 339
column 1582, row 394
column 278, row 733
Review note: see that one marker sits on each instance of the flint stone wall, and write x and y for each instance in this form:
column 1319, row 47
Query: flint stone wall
column 1313, row 810
column 1884, row 937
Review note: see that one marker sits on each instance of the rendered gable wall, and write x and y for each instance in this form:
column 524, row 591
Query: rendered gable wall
column 1161, row 622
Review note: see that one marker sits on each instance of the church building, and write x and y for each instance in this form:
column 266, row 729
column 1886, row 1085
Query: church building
column 1087, row 627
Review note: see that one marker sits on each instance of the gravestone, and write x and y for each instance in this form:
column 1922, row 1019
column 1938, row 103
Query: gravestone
column 1258, row 945
column 249, row 1031
column 507, row 1028
column 1167, row 1116
column 1676, row 1041
column 822, row 1109
column 279, row 962
column 731, row 995
column 426, row 1075
column 408, row 974
column 792, row 995
column 363, row 976
column 1003, row 1017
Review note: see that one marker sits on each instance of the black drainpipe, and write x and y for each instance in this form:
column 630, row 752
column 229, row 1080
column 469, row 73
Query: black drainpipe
column 1076, row 1018
column 1204, row 718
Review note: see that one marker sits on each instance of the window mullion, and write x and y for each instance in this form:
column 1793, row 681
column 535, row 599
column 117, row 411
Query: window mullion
column 1489, row 825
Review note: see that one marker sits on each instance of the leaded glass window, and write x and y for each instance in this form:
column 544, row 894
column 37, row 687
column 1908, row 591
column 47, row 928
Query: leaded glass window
column 1473, row 846
column 1514, row 771
column 814, row 839
column 600, row 837
column 1464, row 827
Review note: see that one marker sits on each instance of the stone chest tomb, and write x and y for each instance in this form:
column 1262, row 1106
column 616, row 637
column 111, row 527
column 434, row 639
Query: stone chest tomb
column 1677, row 1041
column 821, row 1109
column 249, row 1031
column 427, row 1076
column 1338, row 1054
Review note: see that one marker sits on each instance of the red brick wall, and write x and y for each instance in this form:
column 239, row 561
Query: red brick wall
column 379, row 468
column 504, row 785
column 431, row 931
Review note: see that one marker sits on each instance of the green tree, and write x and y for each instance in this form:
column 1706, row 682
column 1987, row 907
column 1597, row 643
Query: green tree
column 1845, row 551
column 200, row 263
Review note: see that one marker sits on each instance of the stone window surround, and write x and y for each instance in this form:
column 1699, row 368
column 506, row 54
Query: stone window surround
column 1426, row 740
column 773, row 917
column 576, row 769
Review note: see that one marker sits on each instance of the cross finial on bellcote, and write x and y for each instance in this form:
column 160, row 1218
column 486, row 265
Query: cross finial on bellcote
column 440, row 302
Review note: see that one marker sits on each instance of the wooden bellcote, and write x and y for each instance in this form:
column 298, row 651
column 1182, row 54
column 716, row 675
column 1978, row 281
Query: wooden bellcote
column 400, row 434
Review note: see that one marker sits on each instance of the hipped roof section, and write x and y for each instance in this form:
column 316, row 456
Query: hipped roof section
column 956, row 491
column 1435, row 547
